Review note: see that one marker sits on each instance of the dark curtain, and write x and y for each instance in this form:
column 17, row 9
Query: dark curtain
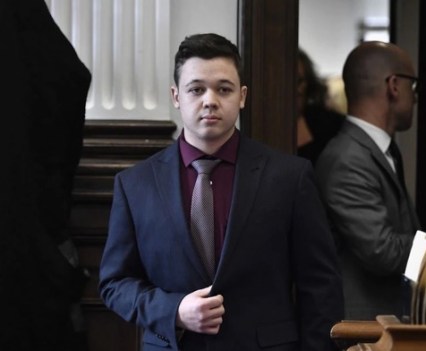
column 43, row 95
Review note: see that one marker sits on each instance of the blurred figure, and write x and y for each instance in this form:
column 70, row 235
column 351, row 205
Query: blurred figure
column 336, row 94
column 361, row 180
column 316, row 123
column 43, row 100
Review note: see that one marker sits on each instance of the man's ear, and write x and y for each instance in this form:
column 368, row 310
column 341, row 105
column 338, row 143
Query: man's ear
column 392, row 87
column 243, row 96
column 175, row 96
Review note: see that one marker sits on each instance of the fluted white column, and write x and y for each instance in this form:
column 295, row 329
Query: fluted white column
column 125, row 44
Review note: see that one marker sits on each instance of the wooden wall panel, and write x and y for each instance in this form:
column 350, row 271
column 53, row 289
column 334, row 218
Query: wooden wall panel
column 108, row 332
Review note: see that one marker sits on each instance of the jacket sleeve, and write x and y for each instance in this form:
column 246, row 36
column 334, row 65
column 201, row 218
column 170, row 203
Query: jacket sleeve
column 124, row 285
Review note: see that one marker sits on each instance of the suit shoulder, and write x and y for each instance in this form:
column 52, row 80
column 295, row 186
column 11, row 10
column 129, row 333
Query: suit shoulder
column 146, row 165
column 344, row 145
column 276, row 156
column 344, row 155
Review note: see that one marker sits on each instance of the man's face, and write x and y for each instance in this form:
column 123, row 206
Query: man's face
column 408, row 99
column 407, row 96
column 209, row 97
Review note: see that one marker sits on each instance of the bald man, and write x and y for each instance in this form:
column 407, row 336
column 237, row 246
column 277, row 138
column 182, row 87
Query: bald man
column 371, row 215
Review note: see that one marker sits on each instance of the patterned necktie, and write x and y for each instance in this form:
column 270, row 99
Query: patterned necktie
column 397, row 160
column 202, row 214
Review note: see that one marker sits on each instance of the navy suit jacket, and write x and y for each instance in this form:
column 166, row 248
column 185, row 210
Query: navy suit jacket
column 277, row 272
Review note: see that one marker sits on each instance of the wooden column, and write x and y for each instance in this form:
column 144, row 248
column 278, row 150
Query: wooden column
column 268, row 40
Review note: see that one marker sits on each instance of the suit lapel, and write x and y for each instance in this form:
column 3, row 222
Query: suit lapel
column 250, row 165
column 169, row 189
column 364, row 139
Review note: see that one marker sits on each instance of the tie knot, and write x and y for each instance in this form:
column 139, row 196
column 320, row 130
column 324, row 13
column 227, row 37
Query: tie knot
column 205, row 166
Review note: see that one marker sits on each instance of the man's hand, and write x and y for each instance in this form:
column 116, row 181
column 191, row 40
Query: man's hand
column 200, row 313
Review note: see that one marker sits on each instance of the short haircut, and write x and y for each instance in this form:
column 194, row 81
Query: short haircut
column 206, row 46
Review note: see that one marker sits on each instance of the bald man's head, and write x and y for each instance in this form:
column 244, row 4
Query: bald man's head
column 379, row 80
column 368, row 65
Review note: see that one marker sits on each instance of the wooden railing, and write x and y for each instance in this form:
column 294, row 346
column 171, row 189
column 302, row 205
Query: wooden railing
column 385, row 334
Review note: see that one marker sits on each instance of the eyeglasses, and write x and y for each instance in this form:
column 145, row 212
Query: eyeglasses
column 414, row 84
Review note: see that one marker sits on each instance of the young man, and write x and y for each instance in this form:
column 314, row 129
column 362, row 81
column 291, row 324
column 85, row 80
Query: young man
column 372, row 217
column 274, row 284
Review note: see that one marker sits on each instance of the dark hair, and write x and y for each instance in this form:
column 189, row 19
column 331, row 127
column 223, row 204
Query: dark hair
column 316, row 90
column 206, row 46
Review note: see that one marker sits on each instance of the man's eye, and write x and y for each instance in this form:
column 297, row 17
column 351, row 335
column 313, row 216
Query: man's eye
column 196, row 91
column 225, row 90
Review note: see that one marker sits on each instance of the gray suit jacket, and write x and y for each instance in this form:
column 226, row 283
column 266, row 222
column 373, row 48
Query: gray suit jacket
column 372, row 220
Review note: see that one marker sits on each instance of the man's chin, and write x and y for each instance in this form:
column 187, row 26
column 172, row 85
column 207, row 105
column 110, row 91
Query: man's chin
column 214, row 135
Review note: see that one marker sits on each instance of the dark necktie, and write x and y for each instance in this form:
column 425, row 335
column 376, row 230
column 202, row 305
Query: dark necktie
column 202, row 214
column 397, row 160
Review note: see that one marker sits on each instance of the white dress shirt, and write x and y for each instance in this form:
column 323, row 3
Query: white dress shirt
column 379, row 136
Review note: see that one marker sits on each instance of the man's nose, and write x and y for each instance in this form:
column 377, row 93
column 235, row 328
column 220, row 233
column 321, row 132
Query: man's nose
column 210, row 99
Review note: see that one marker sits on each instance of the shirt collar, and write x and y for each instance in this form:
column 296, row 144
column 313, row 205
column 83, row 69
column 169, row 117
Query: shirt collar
column 227, row 152
column 379, row 136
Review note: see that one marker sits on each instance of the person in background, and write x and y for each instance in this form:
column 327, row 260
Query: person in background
column 317, row 123
column 361, row 180
column 273, row 282
column 43, row 100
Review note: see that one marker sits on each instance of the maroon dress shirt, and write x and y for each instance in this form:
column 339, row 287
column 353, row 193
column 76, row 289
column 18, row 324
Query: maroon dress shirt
column 222, row 178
